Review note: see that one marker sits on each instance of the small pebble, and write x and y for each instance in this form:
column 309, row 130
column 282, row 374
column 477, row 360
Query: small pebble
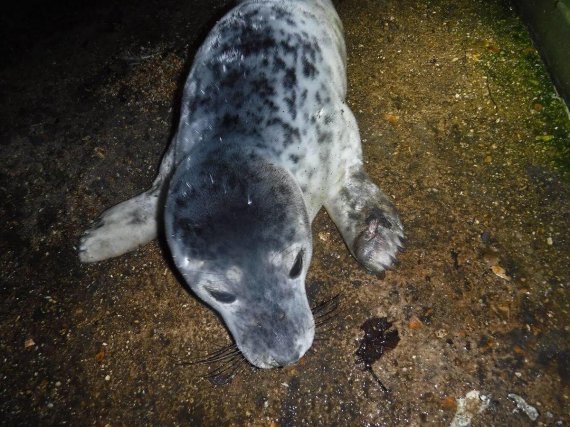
column 500, row 272
column 391, row 118
column 485, row 236
column 441, row 333
column 414, row 323
column 529, row 410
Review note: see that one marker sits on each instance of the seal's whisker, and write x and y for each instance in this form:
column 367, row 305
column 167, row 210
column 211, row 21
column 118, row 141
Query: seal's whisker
column 224, row 367
column 224, row 350
column 222, row 358
column 283, row 251
column 219, row 357
column 323, row 317
column 331, row 318
column 326, row 316
column 222, row 379
column 206, row 273
column 331, row 303
column 319, row 325
column 226, row 370
column 215, row 356
column 326, row 313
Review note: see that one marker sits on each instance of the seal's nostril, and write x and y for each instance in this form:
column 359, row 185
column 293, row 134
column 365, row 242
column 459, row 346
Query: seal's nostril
column 296, row 357
column 287, row 359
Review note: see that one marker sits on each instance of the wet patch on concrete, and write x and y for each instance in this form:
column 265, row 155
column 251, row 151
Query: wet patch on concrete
column 378, row 339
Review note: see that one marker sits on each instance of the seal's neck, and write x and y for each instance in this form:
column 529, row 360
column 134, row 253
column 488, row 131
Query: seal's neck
column 235, row 147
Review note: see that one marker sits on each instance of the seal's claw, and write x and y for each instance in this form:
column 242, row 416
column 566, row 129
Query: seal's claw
column 368, row 222
column 377, row 245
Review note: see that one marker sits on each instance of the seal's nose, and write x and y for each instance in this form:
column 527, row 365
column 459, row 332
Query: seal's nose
column 287, row 359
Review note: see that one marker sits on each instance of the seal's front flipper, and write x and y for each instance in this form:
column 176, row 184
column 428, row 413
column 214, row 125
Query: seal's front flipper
column 122, row 228
column 368, row 222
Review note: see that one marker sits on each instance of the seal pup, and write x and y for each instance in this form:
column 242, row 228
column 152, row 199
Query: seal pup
column 265, row 139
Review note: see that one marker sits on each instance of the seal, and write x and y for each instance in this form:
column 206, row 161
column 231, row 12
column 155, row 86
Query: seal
column 265, row 140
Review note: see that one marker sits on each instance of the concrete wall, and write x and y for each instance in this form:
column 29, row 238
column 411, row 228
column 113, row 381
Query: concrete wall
column 549, row 23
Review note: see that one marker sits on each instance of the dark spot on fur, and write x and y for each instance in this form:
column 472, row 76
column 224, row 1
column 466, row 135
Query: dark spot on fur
column 290, row 133
column 344, row 194
column 291, row 104
column 181, row 202
column 230, row 120
column 251, row 13
column 263, row 86
column 378, row 215
column 270, row 105
column 231, row 78
column 183, row 229
column 309, row 70
column 290, row 78
column 360, row 176
column 324, row 137
column 252, row 42
column 278, row 64
column 287, row 48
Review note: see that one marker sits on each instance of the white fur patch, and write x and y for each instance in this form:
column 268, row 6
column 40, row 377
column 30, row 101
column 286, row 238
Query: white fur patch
column 120, row 229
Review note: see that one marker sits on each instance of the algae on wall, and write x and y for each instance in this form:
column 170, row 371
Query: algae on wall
column 549, row 23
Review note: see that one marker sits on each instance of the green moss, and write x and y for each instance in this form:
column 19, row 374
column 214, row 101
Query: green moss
column 515, row 67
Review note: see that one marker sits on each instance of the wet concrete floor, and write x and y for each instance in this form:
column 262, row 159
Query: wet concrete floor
column 460, row 125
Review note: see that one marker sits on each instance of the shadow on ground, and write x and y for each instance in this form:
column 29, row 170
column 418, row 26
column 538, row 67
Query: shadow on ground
column 460, row 126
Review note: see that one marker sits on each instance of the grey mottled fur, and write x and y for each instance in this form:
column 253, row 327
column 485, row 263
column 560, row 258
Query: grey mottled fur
column 265, row 140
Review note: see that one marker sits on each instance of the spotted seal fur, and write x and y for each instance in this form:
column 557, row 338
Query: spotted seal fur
column 265, row 139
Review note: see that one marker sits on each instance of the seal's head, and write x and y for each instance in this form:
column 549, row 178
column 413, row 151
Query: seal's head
column 240, row 235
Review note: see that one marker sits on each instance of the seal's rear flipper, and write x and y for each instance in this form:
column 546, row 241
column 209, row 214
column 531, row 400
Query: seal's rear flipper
column 122, row 228
column 367, row 221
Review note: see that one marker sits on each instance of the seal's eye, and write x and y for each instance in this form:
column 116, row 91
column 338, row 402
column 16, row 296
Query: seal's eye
column 297, row 266
column 221, row 296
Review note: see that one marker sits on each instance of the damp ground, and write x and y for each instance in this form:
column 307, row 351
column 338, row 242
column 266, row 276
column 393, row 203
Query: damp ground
column 460, row 126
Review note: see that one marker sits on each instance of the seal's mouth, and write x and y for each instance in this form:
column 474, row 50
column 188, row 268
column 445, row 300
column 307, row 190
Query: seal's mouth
column 226, row 362
column 324, row 315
